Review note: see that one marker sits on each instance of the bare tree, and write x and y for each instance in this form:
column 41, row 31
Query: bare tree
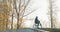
column 51, row 11
column 15, row 5
column 19, row 6
column 52, row 16
column 20, row 11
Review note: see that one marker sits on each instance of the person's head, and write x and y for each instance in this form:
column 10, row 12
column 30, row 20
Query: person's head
column 36, row 17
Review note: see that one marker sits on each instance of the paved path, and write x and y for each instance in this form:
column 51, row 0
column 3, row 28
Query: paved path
column 24, row 30
column 34, row 30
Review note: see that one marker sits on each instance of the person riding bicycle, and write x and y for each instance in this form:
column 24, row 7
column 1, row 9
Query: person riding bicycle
column 37, row 22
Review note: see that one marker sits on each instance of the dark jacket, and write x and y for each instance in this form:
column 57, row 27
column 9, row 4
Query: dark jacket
column 37, row 21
